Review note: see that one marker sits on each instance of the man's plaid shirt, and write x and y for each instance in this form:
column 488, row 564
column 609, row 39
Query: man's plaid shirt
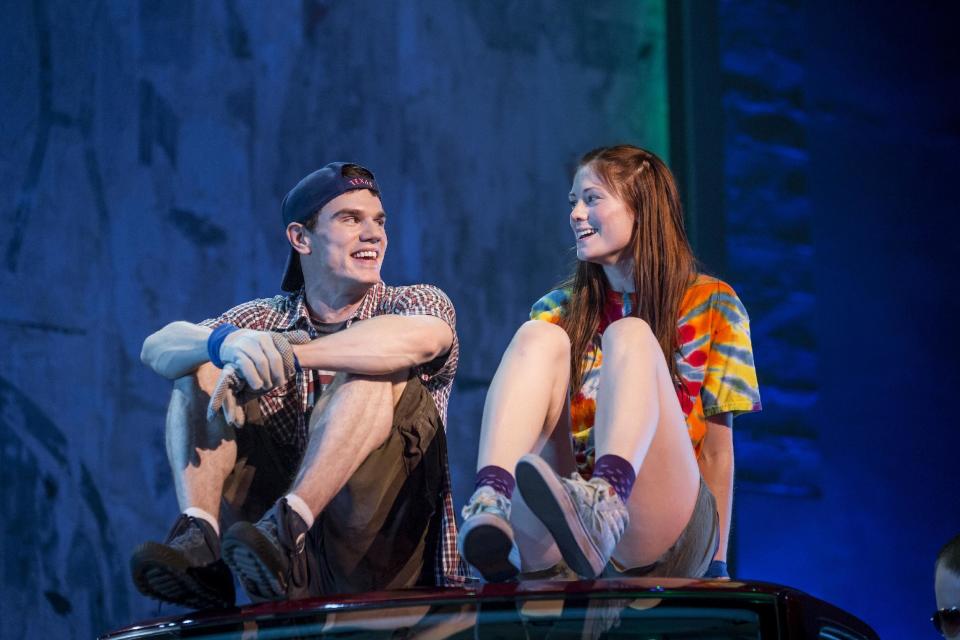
column 286, row 414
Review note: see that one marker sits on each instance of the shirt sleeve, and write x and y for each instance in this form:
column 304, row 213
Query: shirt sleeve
column 550, row 307
column 730, row 379
column 428, row 300
column 248, row 315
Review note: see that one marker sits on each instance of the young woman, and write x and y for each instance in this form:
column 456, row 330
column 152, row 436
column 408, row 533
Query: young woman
column 599, row 397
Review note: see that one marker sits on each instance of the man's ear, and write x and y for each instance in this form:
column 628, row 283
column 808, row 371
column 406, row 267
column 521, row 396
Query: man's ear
column 299, row 240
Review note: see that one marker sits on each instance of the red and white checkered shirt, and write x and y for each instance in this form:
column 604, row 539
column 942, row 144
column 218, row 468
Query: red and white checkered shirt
column 286, row 414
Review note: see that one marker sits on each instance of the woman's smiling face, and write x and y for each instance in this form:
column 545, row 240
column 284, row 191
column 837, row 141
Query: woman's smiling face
column 602, row 223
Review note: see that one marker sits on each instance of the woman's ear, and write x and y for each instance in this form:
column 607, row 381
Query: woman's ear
column 297, row 235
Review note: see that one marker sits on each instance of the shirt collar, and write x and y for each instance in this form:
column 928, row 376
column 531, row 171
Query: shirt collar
column 368, row 305
column 298, row 315
column 616, row 306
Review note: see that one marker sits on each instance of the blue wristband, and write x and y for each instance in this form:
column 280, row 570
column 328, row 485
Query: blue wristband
column 215, row 341
column 717, row 569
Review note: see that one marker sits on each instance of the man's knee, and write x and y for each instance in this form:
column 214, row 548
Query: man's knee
column 198, row 384
column 187, row 411
column 370, row 386
column 188, row 431
column 186, row 402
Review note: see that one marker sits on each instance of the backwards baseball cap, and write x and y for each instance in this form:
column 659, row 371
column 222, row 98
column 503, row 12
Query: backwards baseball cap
column 310, row 195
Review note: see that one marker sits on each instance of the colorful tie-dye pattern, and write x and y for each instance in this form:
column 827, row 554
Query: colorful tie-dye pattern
column 714, row 361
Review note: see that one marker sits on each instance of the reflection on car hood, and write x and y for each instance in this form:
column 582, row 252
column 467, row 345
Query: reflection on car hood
column 635, row 607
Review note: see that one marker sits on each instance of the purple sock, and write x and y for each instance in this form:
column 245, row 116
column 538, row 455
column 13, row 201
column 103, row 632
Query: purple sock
column 618, row 472
column 497, row 478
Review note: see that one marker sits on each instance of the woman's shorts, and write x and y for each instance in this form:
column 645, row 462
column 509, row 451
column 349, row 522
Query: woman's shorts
column 691, row 554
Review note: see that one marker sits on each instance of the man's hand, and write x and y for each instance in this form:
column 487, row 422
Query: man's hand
column 229, row 396
column 233, row 389
column 256, row 358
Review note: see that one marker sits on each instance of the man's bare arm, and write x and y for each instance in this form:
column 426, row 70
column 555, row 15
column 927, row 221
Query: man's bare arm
column 180, row 347
column 176, row 350
column 379, row 346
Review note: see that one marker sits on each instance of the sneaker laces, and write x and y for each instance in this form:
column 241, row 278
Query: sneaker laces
column 487, row 500
column 598, row 505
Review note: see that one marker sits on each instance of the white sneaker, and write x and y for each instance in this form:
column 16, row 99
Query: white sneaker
column 486, row 538
column 586, row 518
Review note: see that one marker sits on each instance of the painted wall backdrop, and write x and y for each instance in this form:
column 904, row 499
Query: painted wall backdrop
column 144, row 151
column 145, row 147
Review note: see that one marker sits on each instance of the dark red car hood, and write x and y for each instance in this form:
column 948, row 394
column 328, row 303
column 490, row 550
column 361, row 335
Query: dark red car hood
column 795, row 606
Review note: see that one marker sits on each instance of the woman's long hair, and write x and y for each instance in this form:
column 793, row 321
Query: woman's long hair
column 664, row 262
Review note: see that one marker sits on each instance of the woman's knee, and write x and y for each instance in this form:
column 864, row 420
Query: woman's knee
column 629, row 333
column 537, row 336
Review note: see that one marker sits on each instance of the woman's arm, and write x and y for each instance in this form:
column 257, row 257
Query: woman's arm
column 716, row 467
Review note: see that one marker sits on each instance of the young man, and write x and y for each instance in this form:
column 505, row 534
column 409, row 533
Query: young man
column 946, row 587
column 325, row 434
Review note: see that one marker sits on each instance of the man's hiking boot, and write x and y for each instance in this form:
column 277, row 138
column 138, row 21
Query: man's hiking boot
column 269, row 557
column 186, row 568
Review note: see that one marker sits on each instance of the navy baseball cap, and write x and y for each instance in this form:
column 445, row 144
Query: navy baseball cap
column 309, row 196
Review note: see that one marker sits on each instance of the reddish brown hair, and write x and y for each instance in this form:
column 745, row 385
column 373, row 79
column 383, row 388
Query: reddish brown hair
column 664, row 262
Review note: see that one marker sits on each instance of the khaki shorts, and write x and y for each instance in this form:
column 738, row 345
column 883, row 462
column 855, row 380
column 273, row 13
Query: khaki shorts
column 691, row 555
column 382, row 530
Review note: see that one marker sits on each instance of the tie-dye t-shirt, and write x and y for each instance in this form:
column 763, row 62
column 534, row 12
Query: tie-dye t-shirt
column 714, row 360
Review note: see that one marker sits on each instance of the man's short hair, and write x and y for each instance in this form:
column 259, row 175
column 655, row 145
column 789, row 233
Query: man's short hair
column 949, row 555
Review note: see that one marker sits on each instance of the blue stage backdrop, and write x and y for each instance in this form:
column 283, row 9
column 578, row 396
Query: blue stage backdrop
column 145, row 147
column 840, row 155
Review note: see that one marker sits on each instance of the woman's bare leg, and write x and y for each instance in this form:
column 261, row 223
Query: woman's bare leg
column 526, row 411
column 527, row 395
column 538, row 551
column 639, row 419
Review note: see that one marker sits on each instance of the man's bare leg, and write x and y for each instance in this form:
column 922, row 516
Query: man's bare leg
column 185, row 568
column 202, row 454
column 354, row 417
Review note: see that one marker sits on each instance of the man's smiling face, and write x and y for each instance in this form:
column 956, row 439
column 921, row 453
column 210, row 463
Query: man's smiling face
column 349, row 239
